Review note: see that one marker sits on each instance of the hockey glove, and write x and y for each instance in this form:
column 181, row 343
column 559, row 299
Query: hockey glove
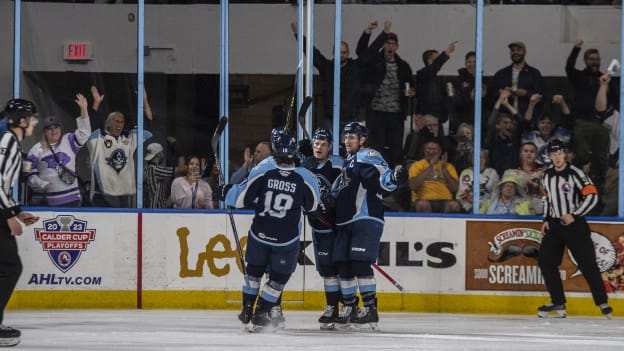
column 305, row 148
column 309, row 163
column 222, row 191
column 397, row 174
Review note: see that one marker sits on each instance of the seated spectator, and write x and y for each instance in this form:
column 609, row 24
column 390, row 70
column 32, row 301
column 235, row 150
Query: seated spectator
column 530, row 175
column 433, row 181
column 191, row 191
column 509, row 198
column 156, row 178
column 113, row 169
column 53, row 178
column 464, row 147
column 488, row 180
column 262, row 151
column 415, row 149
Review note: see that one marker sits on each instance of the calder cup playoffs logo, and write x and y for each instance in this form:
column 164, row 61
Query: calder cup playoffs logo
column 64, row 238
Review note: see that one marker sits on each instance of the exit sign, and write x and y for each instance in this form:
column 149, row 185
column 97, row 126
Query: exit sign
column 77, row 51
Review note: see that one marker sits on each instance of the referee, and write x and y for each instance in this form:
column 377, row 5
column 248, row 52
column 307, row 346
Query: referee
column 569, row 195
column 19, row 114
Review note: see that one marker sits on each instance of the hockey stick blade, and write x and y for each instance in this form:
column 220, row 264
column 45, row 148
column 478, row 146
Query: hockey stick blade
column 387, row 276
column 217, row 133
column 305, row 105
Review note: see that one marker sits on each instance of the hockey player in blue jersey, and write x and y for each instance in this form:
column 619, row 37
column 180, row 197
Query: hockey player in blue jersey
column 327, row 169
column 277, row 191
column 359, row 224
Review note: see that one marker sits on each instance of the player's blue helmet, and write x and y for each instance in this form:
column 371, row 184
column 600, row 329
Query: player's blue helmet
column 283, row 144
column 16, row 109
column 322, row 134
column 355, row 128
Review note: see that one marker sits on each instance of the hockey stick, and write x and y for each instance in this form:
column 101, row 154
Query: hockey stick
column 390, row 279
column 291, row 104
column 305, row 105
column 215, row 144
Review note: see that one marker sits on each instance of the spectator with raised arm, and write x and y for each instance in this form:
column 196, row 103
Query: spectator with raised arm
column 53, row 178
column 430, row 89
column 261, row 151
column 590, row 138
column 350, row 75
column 389, row 83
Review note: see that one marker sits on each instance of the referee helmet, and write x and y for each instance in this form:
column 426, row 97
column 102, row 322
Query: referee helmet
column 556, row 145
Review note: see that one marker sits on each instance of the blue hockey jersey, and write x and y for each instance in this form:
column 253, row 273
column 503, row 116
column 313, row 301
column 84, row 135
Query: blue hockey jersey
column 277, row 194
column 327, row 172
column 364, row 176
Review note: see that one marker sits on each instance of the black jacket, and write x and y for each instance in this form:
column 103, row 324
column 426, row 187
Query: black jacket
column 585, row 85
column 431, row 90
column 529, row 79
column 374, row 69
column 349, row 85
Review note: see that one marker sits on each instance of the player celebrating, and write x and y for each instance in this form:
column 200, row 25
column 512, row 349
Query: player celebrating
column 277, row 192
column 569, row 195
column 360, row 222
column 327, row 169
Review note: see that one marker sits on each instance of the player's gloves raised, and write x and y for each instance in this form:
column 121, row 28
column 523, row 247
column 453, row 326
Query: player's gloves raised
column 305, row 148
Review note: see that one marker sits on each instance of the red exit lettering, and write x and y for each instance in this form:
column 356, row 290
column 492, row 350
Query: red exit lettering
column 76, row 51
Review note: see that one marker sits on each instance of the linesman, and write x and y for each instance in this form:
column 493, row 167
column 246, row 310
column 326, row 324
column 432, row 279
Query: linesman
column 569, row 195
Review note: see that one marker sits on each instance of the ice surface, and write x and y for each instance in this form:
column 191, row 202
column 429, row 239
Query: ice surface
column 220, row 330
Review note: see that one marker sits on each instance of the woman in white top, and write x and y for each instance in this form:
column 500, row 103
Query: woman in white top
column 190, row 191
column 53, row 177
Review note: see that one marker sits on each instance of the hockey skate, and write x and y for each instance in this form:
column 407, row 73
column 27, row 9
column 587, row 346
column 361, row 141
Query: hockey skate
column 606, row 310
column 552, row 311
column 346, row 314
column 367, row 318
column 277, row 318
column 327, row 319
column 261, row 322
column 245, row 315
column 9, row 336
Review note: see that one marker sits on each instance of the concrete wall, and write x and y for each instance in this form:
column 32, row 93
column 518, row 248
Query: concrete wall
column 261, row 41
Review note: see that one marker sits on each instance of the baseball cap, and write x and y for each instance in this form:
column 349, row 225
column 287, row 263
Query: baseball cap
column 518, row 44
column 152, row 150
column 51, row 121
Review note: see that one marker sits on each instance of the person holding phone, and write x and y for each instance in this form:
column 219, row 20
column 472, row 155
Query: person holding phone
column 190, row 191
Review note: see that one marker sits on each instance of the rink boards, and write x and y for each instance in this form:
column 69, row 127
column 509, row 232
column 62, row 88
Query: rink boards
column 189, row 260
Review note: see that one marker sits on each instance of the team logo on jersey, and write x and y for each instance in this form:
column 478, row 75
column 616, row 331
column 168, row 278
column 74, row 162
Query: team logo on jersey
column 117, row 160
column 64, row 238
column 108, row 143
column 565, row 187
column 372, row 153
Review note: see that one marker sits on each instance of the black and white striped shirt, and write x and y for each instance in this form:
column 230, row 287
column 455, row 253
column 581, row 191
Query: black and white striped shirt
column 10, row 168
column 157, row 184
column 567, row 191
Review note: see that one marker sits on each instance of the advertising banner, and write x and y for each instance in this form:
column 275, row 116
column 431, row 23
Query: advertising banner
column 503, row 255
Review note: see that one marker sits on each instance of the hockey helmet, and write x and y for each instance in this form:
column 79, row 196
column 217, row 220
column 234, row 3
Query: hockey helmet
column 16, row 109
column 355, row 128
column 322, row 134
column 283, row 144
column 556, row 145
